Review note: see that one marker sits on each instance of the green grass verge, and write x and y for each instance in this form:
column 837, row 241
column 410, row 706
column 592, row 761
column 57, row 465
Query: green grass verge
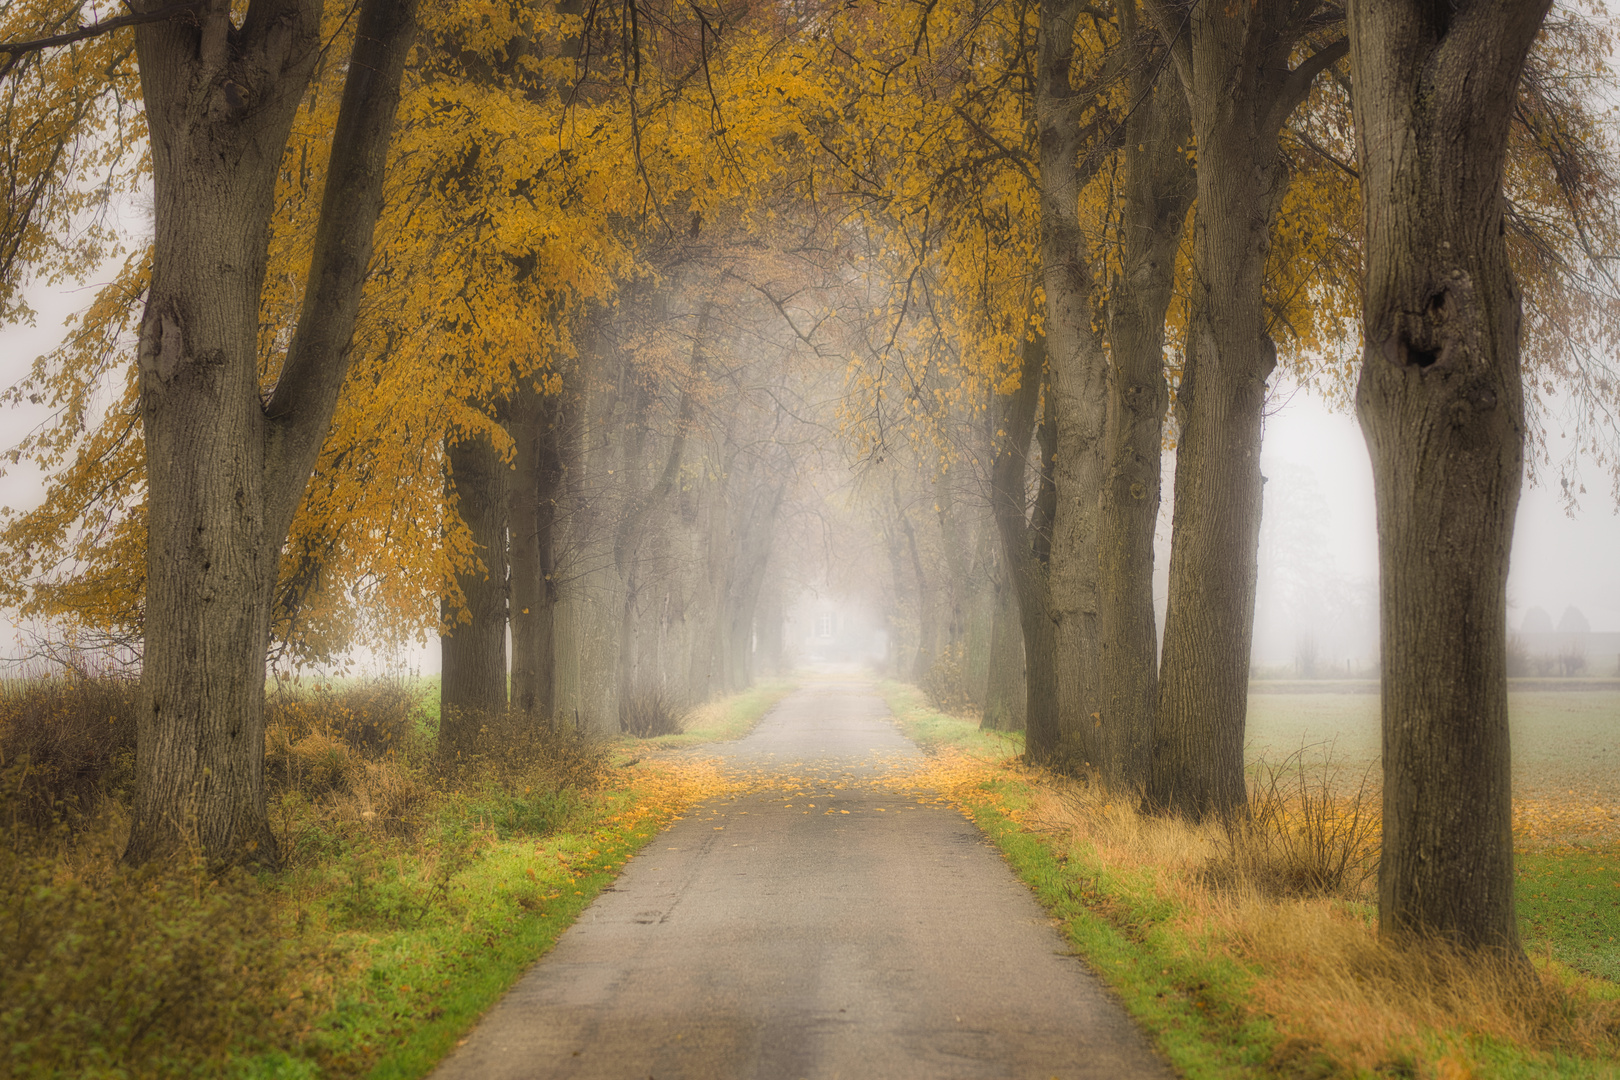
column 519, row 916
column 1195, row 1001
column 479, row 960
column 929, row 728
column 418, row 938
column 1569, row 906
column 724, row 720
column 1193, row 1004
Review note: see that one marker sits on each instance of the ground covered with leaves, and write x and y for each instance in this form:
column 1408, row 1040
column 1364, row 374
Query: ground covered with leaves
column 411, row 896
column 1253, row 951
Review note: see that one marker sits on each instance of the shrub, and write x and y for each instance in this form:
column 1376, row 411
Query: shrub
column 946, row 682
column 649, row 712
column 374, row 717
column 160, row 972
column 1312, row 829
column 67, row 741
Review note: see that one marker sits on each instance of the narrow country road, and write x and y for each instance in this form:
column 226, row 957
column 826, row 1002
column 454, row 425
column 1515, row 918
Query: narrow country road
column 863, row 937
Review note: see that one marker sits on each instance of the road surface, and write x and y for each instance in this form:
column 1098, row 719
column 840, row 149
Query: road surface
column 869, row 935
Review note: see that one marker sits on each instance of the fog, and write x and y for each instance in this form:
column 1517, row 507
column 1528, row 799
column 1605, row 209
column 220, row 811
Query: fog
column 1319, row 489
column 1318, row 566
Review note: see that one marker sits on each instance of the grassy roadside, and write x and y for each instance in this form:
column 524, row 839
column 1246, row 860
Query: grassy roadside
column 1232, row 979
column 726, row 719
column 409, row 902
column 550, row 884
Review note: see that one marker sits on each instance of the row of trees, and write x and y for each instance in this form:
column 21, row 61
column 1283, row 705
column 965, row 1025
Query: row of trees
column 538, row 324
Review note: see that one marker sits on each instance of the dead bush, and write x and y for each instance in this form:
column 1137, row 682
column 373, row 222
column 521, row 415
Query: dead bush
column 519, row 749
column 67, row 742
column 946, row 683
column 649, row 712
column 1312, row 828
column 374, row 717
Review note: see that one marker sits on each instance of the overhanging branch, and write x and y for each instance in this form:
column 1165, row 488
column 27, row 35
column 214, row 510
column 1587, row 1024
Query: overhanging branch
column 16, row 50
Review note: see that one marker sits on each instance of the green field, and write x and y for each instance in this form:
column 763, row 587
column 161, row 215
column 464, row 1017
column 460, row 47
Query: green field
column 1564, row 741
column 1566, row 783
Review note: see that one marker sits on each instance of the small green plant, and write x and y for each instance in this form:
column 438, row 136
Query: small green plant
column 161, row 971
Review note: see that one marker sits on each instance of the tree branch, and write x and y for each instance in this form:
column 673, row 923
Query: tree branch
column 1300, row 79
column 16, row 50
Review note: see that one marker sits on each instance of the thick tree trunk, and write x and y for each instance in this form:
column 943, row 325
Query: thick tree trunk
column 1004, row 690
column 225, row 471
column 1442, row 406
column 536, row 480
column 1025, row 533
column 472, row 642
column 1159, row 187
column 1240, row 89
column 1078, row 377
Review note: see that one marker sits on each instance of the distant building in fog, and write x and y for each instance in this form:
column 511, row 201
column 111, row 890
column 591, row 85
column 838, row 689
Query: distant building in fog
column 1573, row 648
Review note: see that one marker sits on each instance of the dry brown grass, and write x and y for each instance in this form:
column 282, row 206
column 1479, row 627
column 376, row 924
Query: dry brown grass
column 1288, row 893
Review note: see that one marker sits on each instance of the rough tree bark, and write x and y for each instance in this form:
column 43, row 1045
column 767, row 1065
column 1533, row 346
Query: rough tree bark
column 641, row 509
column 1026, row 533
column 1078, row 374
column 1233, row 62
column 1005, row 684
column 536, row 485
column 225, row 468
column 1159, row 187
column 472, row 648
column 1442, row 406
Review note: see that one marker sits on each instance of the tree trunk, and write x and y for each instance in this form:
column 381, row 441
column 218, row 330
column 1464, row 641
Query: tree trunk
column 1004, row 690
column 922, row 664
column 1026, row 541
column 1234, row 65
column 1078, row 374
column 752, row 551
column 1442, row 406
column 536, row 480
column 225, row 471
column 1159, row 187
column 472, row 642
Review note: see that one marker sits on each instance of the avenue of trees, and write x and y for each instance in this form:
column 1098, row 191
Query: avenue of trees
column 607, row 330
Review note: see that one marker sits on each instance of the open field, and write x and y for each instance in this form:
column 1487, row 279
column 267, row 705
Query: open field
column 1566, row 751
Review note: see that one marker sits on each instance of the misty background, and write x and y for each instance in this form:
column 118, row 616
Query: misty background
column 1316, row 612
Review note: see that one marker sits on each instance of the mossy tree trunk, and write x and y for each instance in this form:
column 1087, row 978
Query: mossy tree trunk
column 1077, row 371
column 472, row 637
column 536, row 487
column 1025, row 531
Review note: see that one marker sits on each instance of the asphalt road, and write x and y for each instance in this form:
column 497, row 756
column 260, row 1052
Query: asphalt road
column 823, row 926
